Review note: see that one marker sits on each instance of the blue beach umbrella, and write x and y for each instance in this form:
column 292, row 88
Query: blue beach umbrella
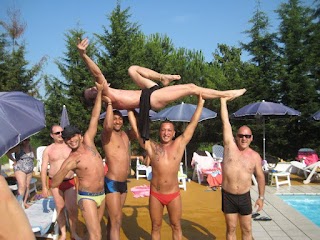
column 263, row 110
column 21, row 116
column 182, row 113
column 316, row 116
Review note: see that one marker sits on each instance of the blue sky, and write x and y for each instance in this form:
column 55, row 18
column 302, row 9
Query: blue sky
column 199, row 25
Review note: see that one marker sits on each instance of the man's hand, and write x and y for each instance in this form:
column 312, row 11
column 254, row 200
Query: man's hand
column 200, row 99
column 100, row 86
column 82, row 46
column 45, row 192
column 106, row 99
column 259, row 203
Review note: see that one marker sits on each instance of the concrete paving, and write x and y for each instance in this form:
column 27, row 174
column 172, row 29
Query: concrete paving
column 287, row 223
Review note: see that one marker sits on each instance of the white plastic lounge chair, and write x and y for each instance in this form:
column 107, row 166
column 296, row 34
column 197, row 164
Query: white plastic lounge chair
column 310, row 172
column 182, row 178
column 203, row 165
column 42, row 215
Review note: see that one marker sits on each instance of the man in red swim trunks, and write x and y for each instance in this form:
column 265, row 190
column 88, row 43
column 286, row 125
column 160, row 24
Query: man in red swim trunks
column 65, row 195
column 165, row 160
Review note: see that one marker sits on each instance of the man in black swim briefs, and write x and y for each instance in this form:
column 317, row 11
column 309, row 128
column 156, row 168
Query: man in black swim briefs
column 239, row 163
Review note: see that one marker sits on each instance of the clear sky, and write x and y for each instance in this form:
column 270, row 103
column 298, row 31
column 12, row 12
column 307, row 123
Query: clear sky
column 199, row 25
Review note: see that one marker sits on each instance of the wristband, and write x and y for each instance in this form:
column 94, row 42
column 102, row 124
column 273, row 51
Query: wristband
column 262, row 198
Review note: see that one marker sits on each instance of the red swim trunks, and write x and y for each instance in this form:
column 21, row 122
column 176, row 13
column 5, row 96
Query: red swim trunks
column 165, row 199
column 65, row 185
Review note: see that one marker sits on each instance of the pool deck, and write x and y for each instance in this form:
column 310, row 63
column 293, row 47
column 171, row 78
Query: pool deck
column 287, row 223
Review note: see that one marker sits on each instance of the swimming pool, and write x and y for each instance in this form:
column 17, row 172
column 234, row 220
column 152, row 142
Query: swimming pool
column 306, row 204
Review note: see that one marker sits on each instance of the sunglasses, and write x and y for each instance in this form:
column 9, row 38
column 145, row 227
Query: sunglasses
column 57, row 133
column 244, row 135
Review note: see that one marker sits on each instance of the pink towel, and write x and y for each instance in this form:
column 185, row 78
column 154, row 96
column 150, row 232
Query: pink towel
column 140, row 191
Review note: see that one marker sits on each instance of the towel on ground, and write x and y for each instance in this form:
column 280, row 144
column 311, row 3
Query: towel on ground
column 140, row 191
column 40, row 214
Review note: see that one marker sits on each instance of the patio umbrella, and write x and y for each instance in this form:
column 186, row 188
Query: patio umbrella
column 125, row 113
column 183, row 112
column 21, row 116
column 64, row 119
column 263, row 110
column 316, row 116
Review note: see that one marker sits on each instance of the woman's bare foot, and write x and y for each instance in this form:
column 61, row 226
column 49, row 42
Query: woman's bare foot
column 166, row 79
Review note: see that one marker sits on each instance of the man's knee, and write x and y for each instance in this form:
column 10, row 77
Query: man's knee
column 133, row 69
column 246, row 230
column 95, row 235
column 156, row 226
column 231, row 228
column 176, row 226
column 193, row 89
column 116, row 220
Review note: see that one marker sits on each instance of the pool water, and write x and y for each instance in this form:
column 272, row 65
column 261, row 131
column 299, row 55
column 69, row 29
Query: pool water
column 307, row 205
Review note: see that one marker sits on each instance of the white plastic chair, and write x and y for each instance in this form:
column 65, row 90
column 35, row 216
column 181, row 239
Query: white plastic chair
column 33, row 185
column 217, row 152
column 39, row 157
column 182, row 178
column 142, row 171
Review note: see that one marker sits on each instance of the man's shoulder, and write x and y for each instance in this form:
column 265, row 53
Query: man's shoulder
column 254, row 154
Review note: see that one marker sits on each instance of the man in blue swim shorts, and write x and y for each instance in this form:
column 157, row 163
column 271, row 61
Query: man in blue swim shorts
column 239, row 163
column 87, row 163
column 118, row 162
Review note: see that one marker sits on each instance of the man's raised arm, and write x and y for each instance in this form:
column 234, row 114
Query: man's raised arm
column 226, row 126
column 93, row 125
column 93, row 68
column 188, row 132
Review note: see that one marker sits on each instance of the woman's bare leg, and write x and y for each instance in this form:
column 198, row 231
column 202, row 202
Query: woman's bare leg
column 163, row 96
column 143, row 77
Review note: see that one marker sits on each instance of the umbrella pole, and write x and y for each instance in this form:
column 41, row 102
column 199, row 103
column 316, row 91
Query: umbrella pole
column 264, row 138
column 185, row 160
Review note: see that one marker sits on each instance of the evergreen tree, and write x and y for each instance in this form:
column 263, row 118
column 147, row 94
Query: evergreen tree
column 15, row 76
column 263, row 50
column 122, row 44
column 297, row 87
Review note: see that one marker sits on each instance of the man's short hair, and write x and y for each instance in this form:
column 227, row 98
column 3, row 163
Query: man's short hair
column 168, row 121
column 117, row 112
column 87, row 102
column 69, row 131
